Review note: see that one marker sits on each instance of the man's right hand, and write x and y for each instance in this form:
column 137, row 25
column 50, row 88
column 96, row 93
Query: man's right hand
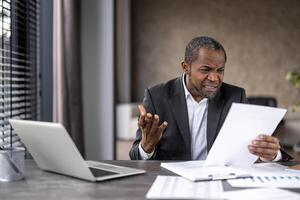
column 151, row 130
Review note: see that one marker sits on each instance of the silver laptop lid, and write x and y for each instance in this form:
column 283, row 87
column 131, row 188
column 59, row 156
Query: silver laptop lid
column 52, row 148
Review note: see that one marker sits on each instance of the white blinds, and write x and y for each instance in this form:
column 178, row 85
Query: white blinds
column 19, row 33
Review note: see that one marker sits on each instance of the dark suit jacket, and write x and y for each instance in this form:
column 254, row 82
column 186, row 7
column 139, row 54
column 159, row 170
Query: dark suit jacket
column 168, row 101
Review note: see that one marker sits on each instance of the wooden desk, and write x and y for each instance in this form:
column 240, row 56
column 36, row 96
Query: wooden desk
column 39, row 184
column 296, row 156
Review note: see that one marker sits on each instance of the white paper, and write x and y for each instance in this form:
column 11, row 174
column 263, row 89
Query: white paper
column 267, row 169
column 267, row 175
column 175, row 187
column 195, row 171
column 243, row 123
column 261, row 194
column 281, row 181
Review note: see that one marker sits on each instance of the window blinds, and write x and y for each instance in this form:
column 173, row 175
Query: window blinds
column 19, row 61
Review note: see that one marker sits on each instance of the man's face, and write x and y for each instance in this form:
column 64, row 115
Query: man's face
column 205, row 75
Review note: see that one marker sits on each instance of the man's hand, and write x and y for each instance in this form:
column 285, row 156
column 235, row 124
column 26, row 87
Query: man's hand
column 151, row 130
column 266, row 147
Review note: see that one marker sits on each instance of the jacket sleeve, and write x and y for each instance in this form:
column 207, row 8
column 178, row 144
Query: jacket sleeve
column 148, row 104
column 285, row 156
column 243, row 97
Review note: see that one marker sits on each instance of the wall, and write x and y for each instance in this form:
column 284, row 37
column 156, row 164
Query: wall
column 97, row 31
column 122, row 51
column 262, row 40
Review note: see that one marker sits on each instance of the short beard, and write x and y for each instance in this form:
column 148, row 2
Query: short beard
column 214, row 94
column 200, row 92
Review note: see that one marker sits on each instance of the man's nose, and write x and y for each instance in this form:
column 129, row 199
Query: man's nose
column 212, row 76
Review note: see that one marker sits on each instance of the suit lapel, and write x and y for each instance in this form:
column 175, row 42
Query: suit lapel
column 178, row 106
column 215, row 107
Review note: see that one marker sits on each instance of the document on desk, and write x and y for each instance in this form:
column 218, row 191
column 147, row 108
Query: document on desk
column 268, row 175
column 176, row 187
column 195, row 171
column 261, row 194
column 267, row 181
column 243, row 123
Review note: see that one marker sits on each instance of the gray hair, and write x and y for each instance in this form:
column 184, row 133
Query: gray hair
column 193, row 47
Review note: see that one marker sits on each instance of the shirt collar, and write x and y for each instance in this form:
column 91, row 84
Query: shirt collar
column 187, row 92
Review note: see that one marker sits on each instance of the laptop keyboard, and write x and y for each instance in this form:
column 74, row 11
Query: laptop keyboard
column 99, row 172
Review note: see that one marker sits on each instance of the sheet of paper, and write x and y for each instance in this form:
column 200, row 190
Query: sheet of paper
column 195, row 171
column 243, row 123
column 281, row 181
column 175, row 187
column 267, row 169
column 267, row 175
column 261, row 194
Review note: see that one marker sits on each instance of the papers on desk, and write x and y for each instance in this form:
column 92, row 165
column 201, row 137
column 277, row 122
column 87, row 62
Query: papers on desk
column 268, row 175
column 263, row 174
column 261, row 194
column 243, row 123
column 267, row 181
column 175, row 187
column 195, row 171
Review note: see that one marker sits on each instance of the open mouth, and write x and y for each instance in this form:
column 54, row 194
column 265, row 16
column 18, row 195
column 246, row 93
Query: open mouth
column 211, row 88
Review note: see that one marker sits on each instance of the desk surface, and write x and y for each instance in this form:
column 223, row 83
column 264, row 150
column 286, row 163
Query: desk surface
column 39, row 184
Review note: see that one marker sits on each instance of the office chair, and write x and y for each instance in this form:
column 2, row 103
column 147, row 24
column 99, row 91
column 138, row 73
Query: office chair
column 263, row 100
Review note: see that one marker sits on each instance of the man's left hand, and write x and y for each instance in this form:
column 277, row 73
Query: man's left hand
column 265, row 147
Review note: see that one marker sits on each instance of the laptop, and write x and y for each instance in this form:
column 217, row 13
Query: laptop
column 53, row 150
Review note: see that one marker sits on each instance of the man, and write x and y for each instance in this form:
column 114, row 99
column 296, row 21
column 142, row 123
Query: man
column 180, row 120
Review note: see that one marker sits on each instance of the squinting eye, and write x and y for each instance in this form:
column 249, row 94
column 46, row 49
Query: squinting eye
column 220, row 70
column 204, row 70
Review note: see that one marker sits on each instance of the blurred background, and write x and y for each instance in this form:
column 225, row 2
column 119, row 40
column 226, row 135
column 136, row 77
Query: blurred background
column 96, row 57
column 261, row 39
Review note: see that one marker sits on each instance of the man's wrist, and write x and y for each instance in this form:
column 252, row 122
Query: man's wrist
column 143, row 154
column 148, row 148
column 276, row 158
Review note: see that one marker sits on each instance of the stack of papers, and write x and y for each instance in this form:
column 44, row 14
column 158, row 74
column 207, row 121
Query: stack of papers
column 268, row 181
column 175, row 187
column 268, row 175
column 196, row 171
column 261, row 194
column 256, row 175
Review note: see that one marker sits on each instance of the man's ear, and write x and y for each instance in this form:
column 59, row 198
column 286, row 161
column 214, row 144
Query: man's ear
column 185, row 67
